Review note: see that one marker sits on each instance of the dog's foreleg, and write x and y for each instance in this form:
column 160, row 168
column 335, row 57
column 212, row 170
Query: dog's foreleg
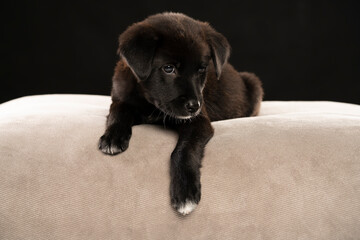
column 118, row 129
column 185, row 187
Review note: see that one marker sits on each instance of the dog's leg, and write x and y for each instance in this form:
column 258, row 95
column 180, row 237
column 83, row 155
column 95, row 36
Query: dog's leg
column 185, row 187
column 118, row 129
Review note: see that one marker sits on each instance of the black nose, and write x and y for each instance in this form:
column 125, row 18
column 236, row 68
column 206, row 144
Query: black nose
column 192, row 106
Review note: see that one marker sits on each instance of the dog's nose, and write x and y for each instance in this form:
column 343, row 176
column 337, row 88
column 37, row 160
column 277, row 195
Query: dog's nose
column 192, row 106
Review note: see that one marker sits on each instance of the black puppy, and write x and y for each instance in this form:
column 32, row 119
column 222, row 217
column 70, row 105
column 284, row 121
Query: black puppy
column 173, row 70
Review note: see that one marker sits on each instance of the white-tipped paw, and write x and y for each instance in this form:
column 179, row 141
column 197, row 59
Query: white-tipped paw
column 113, row 143
column 186, row 208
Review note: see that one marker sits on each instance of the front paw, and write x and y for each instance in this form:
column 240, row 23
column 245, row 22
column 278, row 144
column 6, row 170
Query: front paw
column 114, row 141
column 185, row 191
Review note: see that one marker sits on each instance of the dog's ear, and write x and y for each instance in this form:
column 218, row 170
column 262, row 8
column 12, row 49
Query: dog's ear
column 137, row 46
column 220, row 48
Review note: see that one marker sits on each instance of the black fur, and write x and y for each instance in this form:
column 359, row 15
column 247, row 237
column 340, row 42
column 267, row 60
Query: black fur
column 173, row 70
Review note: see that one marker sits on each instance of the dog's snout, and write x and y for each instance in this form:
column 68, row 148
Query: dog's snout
column 192, row 106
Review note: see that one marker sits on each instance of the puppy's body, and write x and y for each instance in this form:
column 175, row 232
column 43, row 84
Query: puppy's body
column 173, row 70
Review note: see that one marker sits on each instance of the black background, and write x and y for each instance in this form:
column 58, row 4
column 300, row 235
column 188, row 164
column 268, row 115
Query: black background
column 302, row 50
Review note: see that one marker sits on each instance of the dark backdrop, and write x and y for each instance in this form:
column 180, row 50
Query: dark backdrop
column 302, row 50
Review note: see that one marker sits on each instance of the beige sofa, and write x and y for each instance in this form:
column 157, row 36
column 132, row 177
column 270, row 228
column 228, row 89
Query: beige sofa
column 291, row 173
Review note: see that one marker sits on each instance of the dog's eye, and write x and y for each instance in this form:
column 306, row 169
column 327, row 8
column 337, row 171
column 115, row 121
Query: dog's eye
column 168, row 68
column 202, row 69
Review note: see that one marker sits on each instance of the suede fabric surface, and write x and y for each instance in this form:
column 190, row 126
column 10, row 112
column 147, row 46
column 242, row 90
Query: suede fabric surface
column 291, row 173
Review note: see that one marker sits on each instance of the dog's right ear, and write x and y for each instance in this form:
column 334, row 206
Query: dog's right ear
column 137, row 46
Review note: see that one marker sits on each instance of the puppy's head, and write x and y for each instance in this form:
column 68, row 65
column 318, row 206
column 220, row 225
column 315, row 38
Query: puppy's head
column 170, row 55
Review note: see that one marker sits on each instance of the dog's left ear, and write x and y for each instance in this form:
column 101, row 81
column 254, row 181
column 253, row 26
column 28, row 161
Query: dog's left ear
column 137, row 46
column 219, row 46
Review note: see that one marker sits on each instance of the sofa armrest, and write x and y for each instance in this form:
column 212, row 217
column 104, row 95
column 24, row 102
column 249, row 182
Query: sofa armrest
column 290, row 173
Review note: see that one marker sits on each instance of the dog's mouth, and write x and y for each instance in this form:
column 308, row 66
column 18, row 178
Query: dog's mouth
column 188, row 116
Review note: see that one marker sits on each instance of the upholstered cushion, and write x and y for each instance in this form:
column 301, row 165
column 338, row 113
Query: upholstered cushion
column 291, row 173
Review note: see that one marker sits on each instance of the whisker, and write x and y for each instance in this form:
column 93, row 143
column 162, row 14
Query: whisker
column 164, row 120
column 151, row 115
